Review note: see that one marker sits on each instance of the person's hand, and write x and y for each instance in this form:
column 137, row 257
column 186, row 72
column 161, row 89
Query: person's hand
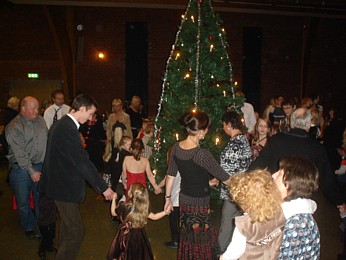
column 167, row 212
column 109, row 193
column 214, row 182
column 168, row 205
column 158, row 190
column 36, row 177
column 115, row 196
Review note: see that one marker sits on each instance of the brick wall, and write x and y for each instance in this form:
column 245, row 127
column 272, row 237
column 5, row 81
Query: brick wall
column 27, row 45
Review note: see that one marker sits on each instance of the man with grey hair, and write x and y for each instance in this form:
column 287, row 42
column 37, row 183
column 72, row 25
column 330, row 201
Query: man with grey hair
column 301, row 119
column 297, row 142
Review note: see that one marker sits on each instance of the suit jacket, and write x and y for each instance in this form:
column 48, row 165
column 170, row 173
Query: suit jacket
column 67, row 166
column 296, row 142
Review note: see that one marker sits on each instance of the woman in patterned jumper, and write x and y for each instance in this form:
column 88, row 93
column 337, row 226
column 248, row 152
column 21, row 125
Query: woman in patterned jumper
column 197, row 235
column 297, row 179
column 234, row 159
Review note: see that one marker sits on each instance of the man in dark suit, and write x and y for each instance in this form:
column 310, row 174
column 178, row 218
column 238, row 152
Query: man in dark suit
column 66, row 168
column 297, row 142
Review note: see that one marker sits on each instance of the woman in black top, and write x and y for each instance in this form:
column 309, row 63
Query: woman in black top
column 198, row 238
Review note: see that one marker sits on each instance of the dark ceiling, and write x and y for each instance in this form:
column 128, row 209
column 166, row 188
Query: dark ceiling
column 309, row 8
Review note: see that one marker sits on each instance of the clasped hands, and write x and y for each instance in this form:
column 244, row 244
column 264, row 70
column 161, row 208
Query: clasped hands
column 36, row 177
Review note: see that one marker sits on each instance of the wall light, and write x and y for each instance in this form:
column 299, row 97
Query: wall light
column 101, row 55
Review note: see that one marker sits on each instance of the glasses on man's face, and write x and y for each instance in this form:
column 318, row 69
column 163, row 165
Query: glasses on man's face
column 286, row 108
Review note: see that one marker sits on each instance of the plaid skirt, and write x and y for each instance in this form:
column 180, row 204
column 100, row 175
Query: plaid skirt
column 198, row 239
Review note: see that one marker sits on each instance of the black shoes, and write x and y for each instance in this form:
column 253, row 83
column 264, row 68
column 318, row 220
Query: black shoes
column 172, row 244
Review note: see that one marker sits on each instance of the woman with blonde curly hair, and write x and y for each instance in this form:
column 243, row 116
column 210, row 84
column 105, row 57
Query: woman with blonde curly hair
column 258, row 233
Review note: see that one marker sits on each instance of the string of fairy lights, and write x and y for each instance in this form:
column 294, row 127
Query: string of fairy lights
column 156, row 129
column 198, row 55
column 175, row 55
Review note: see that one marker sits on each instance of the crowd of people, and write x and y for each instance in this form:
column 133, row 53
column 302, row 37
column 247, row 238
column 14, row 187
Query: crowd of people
column 267, row 174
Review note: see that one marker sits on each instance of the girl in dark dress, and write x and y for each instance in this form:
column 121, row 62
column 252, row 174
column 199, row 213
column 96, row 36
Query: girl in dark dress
column 131, row 241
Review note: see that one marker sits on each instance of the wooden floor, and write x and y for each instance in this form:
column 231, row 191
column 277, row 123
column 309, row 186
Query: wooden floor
column 100, row 230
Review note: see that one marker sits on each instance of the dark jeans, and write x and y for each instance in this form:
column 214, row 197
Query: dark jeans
column 174, row 224
column 22, row 185
column 71, row 230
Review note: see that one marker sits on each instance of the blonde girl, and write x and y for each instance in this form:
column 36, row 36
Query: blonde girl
column 131, row 240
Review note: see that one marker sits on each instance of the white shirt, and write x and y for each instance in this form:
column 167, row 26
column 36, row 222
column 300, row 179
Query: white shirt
column 50, row 112
column 249, row 116
column 175, row 190
column 237, row 247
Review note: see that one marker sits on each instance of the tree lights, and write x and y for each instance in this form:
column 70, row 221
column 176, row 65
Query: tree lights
column 198, row 76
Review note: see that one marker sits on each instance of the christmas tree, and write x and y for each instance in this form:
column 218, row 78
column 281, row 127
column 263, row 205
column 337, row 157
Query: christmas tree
column 198, row 76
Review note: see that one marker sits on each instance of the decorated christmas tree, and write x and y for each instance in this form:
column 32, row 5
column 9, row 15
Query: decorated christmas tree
column 198, row 76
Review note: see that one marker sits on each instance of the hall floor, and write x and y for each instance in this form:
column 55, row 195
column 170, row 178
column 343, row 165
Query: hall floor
column 100, row 230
